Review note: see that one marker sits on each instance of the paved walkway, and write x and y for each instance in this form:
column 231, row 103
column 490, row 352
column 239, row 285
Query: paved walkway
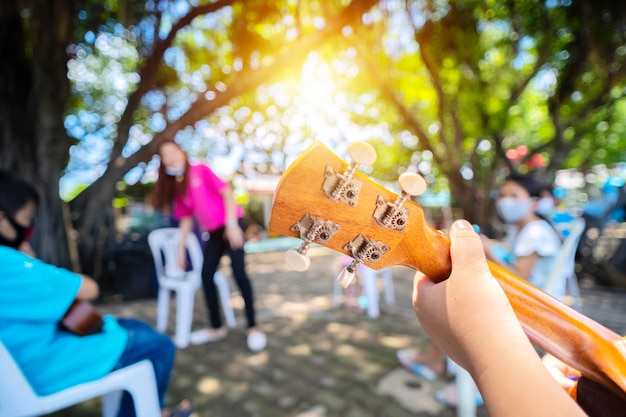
column 320, row 361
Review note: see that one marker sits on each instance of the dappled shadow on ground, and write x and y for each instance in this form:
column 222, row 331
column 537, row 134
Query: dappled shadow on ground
column 320, row 361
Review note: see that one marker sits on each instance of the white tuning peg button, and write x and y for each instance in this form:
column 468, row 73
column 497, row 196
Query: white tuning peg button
column 296, row 260
column 362, row 153
column 345, row 278
column 412, row 183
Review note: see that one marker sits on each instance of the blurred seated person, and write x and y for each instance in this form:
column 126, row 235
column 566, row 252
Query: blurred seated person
column 549, row 208
column 533, row 244
column 35, row 296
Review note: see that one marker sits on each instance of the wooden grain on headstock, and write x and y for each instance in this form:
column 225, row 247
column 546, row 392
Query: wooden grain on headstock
column 300, row 192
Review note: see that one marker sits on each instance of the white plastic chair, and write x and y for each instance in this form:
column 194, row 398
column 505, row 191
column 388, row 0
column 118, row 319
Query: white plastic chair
column 369, row 281
column 562, row 281
column 164, row 246
column 18, row 399
column 466, row 390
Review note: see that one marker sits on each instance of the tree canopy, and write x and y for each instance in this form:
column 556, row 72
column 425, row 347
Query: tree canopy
column 459, row 91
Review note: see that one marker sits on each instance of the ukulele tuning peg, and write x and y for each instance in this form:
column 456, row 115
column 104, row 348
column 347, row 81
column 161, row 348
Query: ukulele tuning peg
column 297, row 258
column 394, row 215
column 412, row 184
column 312, row 229
column 342, row 187
column 346, row 276
column 362, row 153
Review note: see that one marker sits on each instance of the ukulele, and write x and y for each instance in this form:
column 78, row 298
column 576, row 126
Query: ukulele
column 323, row 200
column 82, row 319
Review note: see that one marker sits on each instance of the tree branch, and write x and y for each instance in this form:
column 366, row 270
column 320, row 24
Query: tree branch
column 245, row 81
column 148, row 72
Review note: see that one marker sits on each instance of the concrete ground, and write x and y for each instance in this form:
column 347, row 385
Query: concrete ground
column 320, row 361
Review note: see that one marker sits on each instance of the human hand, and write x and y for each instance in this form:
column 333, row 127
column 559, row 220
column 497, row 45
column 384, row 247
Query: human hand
column 468, row 315
column 488, row 245
column 564, row 374
column 234, row 235
column 181, row 257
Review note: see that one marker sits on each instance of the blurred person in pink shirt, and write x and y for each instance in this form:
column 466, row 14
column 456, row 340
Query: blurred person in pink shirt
column 193, row 192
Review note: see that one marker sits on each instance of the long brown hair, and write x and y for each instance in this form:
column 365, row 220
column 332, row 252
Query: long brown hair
column 168, row 187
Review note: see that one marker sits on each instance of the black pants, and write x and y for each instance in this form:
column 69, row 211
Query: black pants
column 214, row 248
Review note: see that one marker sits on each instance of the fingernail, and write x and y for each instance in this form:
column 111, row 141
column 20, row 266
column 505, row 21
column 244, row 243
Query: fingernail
column 461, row 224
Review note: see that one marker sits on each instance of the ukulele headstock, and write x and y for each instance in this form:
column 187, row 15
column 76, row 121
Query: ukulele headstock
column 322, row 199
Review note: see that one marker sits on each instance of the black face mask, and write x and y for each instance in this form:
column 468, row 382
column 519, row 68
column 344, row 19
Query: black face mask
column 22, row 234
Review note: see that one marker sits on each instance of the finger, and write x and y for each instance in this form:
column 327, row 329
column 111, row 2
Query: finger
column 466, row 249
column 420, row 281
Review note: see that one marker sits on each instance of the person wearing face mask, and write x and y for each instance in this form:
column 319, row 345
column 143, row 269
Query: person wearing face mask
column 35, row 296
column 20, row 235
column 192, row 192
column 548, row 208
column 546, row 203
column 534, row 243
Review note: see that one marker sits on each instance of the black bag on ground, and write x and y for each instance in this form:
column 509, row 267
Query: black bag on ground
column 129, row 269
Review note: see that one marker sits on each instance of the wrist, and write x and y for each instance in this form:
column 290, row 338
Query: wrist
column 231, row 223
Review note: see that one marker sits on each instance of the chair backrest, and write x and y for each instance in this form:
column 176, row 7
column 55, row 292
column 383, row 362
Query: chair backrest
column 565, row 261
column 164, row 247
column 14, row 388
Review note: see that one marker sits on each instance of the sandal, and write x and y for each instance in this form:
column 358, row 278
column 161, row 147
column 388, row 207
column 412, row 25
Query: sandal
column 449, row 396
column 406, row 358
column 183, row 409
column 177, row 412
column 207, row 335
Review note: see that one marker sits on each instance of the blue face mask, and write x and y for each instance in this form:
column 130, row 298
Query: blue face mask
column 174, row 172
column 512, row 210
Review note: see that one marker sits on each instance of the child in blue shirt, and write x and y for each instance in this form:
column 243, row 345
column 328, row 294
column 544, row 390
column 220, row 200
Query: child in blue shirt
column 35, row 296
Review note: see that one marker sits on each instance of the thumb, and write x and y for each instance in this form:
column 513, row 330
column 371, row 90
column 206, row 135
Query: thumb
column 466, row 250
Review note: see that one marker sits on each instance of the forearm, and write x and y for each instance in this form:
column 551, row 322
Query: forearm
column 519, row 381
column 186, row 226
column 509, row 372
column 89, row 289
column 229, row 206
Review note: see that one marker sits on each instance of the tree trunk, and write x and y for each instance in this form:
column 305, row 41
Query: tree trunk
column 33, row 96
